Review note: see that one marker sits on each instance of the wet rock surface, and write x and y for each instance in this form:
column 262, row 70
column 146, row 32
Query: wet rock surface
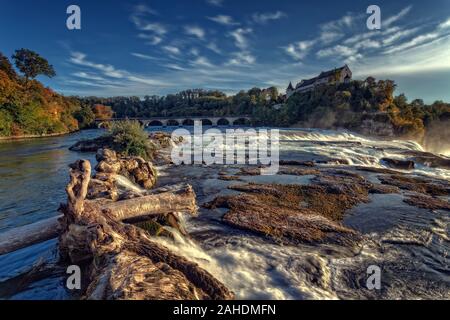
column 399, row 164
column 136, row 169
column 295, row 213
column 429, row 159
column 417, row 184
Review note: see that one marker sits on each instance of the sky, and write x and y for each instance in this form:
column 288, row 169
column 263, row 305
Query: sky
column 159, row 47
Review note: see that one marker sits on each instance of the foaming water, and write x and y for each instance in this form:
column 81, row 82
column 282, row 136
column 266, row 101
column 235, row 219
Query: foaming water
column 354, row 149
column 410, row 244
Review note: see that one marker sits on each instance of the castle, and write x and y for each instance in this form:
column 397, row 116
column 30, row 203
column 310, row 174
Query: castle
column 339, row 75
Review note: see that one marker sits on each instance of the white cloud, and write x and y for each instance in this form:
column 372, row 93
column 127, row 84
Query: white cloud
column 399, row 35
column 445, row 24
column 242, row 58
column 202, row 62
column 144, row 56
column 224, row 20
column 88, row 76
column 334, row 30
column 368, row 44
column 155, row 27
column 239, row 36
column 195, row 31
column 151, row 39
column 413, row 43
column 299, row 50
column 213, row 47
column 266, row 17
column 79, row 59
column 142, row 9
column 339, row 50
column 387, row 22
column 172, row 49
column 175, row 67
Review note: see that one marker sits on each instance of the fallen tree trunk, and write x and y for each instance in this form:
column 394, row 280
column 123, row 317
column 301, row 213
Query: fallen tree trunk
column 179, row 200
column 28, row 235
column 121, row 261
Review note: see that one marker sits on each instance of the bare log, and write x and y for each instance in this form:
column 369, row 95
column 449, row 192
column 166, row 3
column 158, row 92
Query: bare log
column 178, row 200
column 123, row 262
column 162, row 203
column 28, row 235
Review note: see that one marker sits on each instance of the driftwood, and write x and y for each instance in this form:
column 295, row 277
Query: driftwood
column 28, row 235
column 121, row 261
column 181, row 199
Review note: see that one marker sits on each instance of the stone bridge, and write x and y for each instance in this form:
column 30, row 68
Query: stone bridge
column 181, row 121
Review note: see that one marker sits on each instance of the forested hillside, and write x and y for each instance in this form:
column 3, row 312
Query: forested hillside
column 29, row 108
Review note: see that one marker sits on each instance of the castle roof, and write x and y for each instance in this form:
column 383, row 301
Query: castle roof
column 323, row 74
column 308, row 82
column 326, row 74
column 290, row 87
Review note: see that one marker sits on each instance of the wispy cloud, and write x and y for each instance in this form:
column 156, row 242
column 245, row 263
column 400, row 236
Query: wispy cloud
column 150, row 39
column 414, row 42
column 213, row 47
column 242, row 58
column 445, row 24
column 216, row 3
column 224, row 20
column 299, row 50
column 195, row 31
column 239, row 36
column 80, row 59
column 268, row 16
column 142, row 9
column 172, row 49
column 387, row 22
column 202, row 62
column 108, row 70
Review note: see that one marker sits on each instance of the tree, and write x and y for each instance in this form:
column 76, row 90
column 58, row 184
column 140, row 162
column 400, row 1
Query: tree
column 6, row 66
column 32, row 64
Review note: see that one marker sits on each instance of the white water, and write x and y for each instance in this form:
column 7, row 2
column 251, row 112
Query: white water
column 411, row 242
column 356, row 149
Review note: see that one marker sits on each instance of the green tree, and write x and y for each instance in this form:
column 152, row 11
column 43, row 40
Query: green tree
column 32, row 64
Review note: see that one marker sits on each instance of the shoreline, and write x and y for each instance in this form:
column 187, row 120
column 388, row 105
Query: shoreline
column 35, row 136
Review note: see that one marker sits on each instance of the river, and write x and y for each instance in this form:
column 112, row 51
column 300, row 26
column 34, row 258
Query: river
column 410, row 244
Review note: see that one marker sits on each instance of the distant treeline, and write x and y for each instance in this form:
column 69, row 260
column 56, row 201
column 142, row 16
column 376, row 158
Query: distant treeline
column 344, row 105
column 27, row 107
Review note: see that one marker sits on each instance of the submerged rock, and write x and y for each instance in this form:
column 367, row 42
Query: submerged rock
column 295, row 214
column 429, row 159
column 427, row 202
column 91, row 145
column 399, row 164
column 416, row 184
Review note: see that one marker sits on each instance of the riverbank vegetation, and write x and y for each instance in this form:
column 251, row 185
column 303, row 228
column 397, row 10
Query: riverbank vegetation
column 27, row 107
column 127, row 138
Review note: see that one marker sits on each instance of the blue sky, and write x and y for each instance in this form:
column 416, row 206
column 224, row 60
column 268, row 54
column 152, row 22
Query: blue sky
column 159, row 47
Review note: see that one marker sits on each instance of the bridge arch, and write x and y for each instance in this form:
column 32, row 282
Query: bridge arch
column 207, row 122
column 188, row 123
column 172, row 123
column 241, row 122
column 223, row 122
column 155, row 123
